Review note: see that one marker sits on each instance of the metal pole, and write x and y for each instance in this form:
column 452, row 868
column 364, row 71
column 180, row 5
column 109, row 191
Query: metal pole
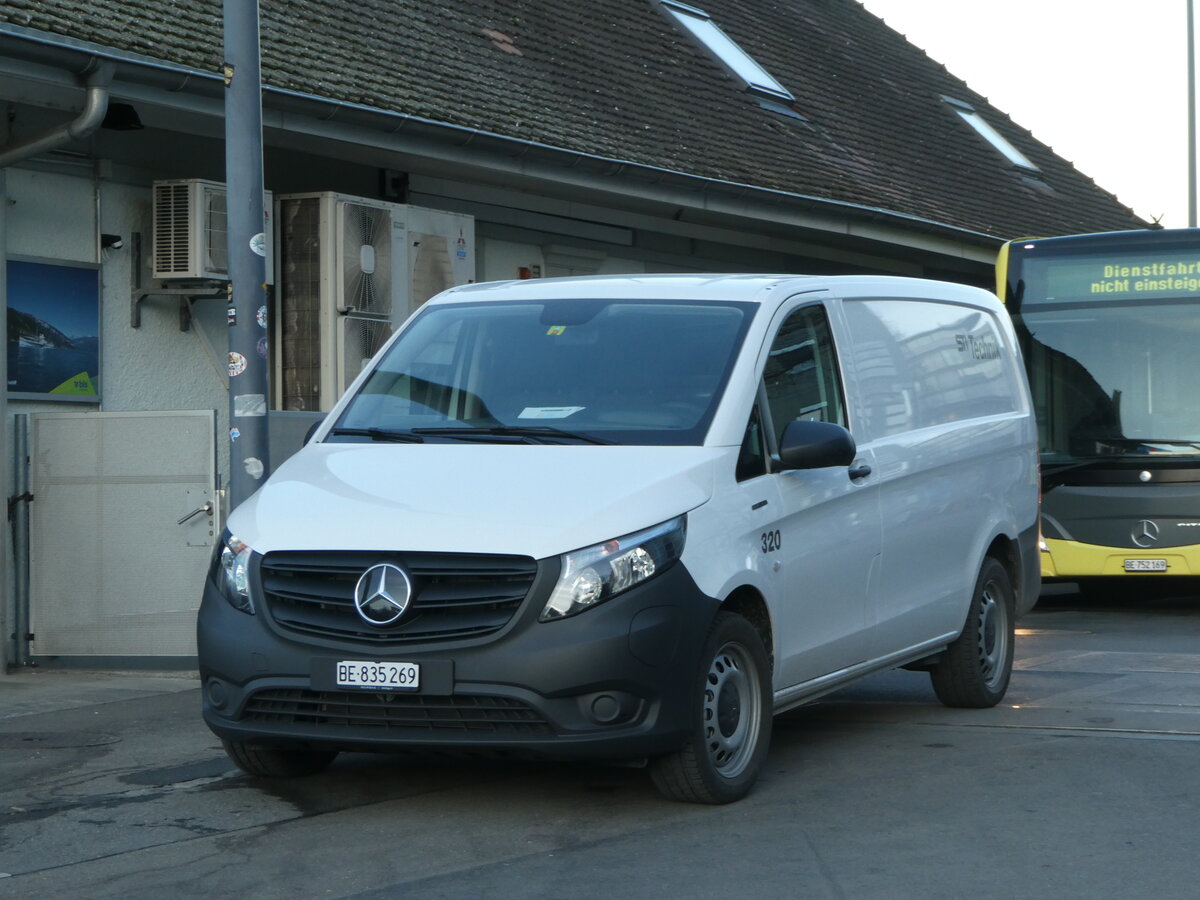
column 249, row 460
column 1191, row 89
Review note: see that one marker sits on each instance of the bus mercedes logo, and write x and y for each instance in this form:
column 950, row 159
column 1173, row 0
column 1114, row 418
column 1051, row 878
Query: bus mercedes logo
column 382, row 594
column 1145, row 533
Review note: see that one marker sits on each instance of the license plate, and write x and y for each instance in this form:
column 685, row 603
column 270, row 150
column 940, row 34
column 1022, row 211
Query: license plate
column 1145, row 565
column 381, row 676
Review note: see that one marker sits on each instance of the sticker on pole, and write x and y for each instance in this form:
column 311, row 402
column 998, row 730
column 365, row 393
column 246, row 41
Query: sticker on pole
column 237, row 364
column 249, row 405
column 258, row 244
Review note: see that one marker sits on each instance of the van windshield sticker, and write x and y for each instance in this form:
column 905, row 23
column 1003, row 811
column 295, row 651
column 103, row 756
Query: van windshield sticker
column 556, row 329
column 548, row 412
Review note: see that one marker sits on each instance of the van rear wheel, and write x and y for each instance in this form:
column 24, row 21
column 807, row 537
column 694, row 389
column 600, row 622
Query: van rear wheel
column 731, row 719
column 975, row 669
column 277, row 762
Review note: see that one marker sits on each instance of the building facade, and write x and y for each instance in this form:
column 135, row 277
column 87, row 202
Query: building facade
column 408, row 146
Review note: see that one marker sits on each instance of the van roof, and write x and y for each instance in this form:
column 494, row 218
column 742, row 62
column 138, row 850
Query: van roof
column 755, row 288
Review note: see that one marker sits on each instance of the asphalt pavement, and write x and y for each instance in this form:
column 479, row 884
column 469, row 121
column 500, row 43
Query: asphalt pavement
column 44, row 690
column 1082, row 783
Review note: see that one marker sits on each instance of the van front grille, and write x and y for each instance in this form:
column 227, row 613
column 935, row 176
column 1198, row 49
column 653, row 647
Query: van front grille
column 372, row 709
column 454, row 596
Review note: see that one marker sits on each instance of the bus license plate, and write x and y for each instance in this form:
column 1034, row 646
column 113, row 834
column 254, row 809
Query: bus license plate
column 382, row 676
column 1145, row 565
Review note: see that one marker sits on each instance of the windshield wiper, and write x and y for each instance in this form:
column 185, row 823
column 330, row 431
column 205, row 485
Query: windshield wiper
column 536, row 434
column 382, row 434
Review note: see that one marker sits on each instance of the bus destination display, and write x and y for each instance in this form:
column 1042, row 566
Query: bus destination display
column 1128, row 277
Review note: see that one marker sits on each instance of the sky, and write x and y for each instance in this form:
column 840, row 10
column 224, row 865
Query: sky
column 1102, row 83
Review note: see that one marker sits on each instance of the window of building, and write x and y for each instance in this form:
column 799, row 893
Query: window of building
column 990, row 134
column 700, row 26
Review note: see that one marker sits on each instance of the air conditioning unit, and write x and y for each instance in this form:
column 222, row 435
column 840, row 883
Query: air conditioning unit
column 351, row 270
column 190, row 240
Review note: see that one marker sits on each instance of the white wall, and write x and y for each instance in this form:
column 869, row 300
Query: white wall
column 503, row 260
column 52, row 216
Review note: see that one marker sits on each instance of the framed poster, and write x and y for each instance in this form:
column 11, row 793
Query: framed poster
column 53, row 330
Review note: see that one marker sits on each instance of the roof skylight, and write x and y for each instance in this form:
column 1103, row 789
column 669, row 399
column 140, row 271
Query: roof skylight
column 740, row 64
column 990, row 134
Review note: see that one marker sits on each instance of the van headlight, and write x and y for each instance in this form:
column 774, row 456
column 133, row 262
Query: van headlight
column 594, row 574
column 231, row 572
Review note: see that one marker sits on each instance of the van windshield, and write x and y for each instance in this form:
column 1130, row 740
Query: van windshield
column 563, row 371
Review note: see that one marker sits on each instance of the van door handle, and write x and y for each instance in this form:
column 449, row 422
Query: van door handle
column 862, row 470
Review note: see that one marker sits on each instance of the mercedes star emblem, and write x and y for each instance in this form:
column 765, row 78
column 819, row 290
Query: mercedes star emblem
column 382, row 594
column 1145, row 533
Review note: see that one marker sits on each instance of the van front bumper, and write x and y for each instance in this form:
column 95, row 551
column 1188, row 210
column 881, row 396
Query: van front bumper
column 614, row 682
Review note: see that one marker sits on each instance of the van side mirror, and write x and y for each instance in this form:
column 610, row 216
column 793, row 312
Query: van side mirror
column 815, row 445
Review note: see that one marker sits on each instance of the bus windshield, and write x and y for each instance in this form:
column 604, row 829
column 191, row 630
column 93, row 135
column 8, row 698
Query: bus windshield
column 1110, row 330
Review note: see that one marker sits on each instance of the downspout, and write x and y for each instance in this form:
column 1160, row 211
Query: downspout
column 98, row 79
column 99, row 75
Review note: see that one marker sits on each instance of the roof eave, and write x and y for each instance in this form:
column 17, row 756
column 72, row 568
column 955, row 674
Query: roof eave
column 197, row 91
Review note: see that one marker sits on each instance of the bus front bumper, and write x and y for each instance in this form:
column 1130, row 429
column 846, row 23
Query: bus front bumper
column 1070, row 559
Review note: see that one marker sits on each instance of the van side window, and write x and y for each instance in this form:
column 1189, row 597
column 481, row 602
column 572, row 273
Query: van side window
column 928, row 364
column 752, row 458
column 801, row 375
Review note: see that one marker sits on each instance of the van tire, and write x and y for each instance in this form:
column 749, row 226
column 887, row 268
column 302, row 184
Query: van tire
column 975, row 669
column 274, row 762
column 731, row 719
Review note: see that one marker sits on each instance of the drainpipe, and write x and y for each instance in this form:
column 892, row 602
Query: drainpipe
column 98, row 76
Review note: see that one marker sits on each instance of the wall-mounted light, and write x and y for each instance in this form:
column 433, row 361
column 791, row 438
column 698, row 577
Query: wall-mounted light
column 111, row 242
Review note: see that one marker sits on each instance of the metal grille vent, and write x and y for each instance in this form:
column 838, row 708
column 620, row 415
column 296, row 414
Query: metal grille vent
column 395, row 712
column 300, row 304
column 367, row 267
column 216, row 230
column 172, row 225
column 455, row 596
column 361, row 339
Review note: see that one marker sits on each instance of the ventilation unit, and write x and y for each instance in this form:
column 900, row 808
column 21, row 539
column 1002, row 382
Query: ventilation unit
column 191, row 231
column 351, row 270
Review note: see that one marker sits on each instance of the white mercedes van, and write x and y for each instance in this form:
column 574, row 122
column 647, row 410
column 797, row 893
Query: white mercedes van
column 632, row 518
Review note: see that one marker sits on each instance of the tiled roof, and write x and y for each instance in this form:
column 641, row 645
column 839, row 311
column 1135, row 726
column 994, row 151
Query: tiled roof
column 616, row 79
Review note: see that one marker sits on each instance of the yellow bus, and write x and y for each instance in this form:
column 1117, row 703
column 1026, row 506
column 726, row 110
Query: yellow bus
column 1109, row 325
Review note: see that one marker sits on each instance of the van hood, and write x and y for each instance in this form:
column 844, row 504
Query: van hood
column 531, row 500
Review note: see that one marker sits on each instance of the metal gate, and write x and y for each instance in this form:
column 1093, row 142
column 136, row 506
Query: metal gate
column 121, row 529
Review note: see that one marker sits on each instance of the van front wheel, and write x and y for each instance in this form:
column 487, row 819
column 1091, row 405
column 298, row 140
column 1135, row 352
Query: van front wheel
column 731, row 713
column 975, row 669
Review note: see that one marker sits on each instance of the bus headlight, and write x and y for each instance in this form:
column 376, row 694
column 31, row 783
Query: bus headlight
column 597, row 573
